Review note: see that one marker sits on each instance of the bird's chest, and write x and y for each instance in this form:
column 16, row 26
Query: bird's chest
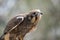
column 24, row 28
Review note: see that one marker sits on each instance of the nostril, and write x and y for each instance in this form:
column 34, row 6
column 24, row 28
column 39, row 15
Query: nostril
column 41, row 13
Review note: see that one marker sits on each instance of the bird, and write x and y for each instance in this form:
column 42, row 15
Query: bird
column 20, row 25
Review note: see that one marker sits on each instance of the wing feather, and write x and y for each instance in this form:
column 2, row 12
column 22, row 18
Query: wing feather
column 13, row 23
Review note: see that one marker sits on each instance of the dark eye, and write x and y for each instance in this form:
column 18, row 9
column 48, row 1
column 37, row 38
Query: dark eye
column 34, row 13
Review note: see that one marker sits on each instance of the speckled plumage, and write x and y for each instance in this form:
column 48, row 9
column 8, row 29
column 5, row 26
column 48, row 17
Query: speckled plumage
column 24, row 25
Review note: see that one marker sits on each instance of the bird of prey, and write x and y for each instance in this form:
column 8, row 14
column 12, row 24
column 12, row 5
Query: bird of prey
column 20, row 25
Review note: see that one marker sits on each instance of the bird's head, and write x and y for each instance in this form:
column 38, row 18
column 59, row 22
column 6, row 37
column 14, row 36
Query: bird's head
column 34, row 16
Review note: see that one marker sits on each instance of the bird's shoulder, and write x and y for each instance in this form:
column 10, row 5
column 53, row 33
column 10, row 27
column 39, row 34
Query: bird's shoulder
column 13, row 22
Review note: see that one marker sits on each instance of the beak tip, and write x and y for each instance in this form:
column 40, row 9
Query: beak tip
column 41, row 13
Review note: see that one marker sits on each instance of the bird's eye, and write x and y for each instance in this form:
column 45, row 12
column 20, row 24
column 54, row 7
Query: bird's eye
column 34, row 13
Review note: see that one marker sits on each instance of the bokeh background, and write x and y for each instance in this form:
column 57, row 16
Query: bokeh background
column 49, row 26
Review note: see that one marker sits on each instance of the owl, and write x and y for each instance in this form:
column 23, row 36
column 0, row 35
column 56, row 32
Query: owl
column 20, row 25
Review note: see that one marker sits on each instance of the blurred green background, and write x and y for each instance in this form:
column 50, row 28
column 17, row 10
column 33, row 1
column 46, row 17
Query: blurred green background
column 48, row 27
